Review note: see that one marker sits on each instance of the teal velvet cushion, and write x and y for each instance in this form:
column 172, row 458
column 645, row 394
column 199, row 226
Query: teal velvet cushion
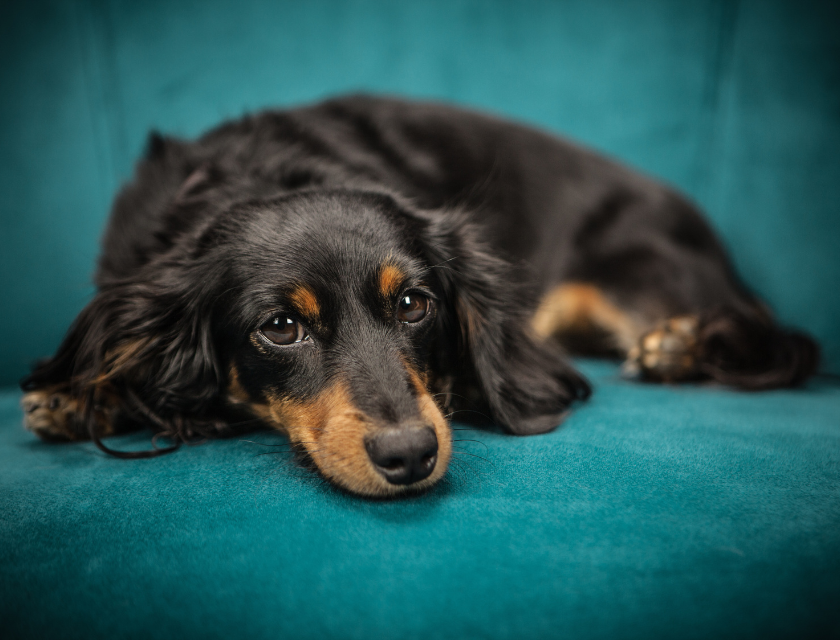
column 654, row 512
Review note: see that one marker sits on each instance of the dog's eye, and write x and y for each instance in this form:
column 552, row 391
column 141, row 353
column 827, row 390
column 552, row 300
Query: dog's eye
column 284, row 330
column 412, row 307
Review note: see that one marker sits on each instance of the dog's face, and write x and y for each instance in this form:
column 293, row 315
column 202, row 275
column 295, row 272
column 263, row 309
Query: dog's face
column 345, row 318
column 330, row 327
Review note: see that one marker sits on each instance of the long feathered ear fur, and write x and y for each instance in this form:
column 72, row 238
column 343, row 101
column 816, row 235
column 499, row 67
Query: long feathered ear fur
column 146, row 346
column 492, row 358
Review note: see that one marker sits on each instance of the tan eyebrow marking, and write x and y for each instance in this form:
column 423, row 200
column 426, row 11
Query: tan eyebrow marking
column 305, row 302
column 391, row 278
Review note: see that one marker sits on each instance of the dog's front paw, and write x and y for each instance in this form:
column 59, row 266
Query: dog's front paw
column 51, row 414
column 668, row 353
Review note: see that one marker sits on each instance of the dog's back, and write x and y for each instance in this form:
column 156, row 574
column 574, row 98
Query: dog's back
column 607, row 254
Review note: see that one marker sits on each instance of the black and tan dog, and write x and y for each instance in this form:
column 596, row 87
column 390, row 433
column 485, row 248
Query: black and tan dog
column 352, row 271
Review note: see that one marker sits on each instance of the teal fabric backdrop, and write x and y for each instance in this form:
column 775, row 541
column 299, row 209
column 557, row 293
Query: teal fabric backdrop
column 734, row 102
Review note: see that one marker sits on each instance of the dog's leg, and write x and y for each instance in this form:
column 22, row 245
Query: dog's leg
column 586, row 321
column 737, row 345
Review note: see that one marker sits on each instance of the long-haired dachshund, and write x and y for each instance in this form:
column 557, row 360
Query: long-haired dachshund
column 352, row 272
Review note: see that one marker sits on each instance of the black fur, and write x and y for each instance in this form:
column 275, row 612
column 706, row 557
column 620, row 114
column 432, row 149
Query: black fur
column 483, row 215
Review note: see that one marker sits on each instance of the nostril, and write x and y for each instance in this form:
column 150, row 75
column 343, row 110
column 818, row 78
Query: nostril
column 429, row 456
column 392, row 464
column 403, row 455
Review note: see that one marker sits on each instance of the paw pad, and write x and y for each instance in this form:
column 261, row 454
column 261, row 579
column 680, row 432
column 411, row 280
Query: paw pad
column 668, row 353
column 49, row 415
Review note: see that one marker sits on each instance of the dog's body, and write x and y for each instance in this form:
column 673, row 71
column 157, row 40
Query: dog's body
column 346, row 271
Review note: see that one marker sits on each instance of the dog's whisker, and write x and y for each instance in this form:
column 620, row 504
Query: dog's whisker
column 486, row 448
column 285, row 448
column 464, row 465
column 290, row 451
column 281, row 444
column 467, row 411
column 263, row 444
column 467, row 453
column 434, row 266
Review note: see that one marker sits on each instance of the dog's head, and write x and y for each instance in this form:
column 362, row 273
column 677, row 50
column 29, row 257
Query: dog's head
column 333, row 316
column 348, row 319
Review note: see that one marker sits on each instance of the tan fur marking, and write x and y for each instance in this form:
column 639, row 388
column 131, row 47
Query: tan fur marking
column 652, row 340
column 332, row 431
column 668, row 353
column 120, row 358
column 49, row 414
column 391, row 279
column 235, row 391
column 577, row 307
column 236, row 394
column 431, row 412
column 305, row 302
column 54, row 414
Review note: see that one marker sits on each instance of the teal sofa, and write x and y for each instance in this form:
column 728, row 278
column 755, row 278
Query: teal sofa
column 654, row 512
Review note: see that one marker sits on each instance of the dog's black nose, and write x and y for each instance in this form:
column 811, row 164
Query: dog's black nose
column 404, row 454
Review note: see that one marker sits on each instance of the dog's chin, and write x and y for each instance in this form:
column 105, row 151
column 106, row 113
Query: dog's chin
column 380, row 489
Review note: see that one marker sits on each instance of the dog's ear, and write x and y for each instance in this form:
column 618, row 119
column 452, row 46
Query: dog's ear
column 490, row 352
column 146, row 343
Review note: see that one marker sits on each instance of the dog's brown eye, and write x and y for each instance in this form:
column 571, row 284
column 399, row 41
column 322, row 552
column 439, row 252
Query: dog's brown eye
column 284, row 330
column 413, row 307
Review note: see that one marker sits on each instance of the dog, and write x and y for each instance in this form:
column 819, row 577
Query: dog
column 354, row 272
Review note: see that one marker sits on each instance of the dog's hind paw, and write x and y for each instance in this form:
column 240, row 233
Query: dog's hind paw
column 668, row 353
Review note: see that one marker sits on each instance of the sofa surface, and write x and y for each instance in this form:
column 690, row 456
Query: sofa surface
column 653, row 512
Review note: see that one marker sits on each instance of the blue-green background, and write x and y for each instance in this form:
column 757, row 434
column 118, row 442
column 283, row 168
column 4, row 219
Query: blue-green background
column 655, row 512
column 736, row 103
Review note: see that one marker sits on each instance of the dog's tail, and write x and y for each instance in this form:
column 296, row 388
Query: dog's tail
column 748, row 350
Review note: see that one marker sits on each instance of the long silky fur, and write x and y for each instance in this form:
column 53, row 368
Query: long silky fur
column 747, row 350
column 171, row 376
